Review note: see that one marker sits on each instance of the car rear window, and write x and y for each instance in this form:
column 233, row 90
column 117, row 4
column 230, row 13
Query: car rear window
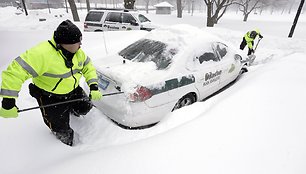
column 146, row 50
column 94, row 16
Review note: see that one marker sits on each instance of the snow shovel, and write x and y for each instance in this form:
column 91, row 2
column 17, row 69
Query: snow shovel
column 65, row 102
column 253, row 56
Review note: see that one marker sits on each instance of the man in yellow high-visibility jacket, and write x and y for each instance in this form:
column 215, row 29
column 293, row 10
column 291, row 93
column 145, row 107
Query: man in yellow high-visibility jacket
column 248, row 39
column 55, row 67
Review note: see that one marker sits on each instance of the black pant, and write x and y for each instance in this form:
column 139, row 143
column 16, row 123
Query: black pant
column 57, row 117
column 244, row 43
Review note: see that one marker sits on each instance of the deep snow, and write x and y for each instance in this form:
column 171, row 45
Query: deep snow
column 255, row 126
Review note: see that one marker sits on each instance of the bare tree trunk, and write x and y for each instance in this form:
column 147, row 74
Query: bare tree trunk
column 66, row 6
column 245, row 17
column 147, row 6
column 179, row 8
column 48, row 6
column 88, row 5
column 25, row 8
column 296, row 18
column 247, row 7
column 192, row 7
column 210, row 21
column 74, row 10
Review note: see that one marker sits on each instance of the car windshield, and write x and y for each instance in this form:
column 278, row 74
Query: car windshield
column 142, row 18
column 146, row 50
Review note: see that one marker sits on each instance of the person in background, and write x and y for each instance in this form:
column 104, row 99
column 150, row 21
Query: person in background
column 55, row 67
column 248, row 39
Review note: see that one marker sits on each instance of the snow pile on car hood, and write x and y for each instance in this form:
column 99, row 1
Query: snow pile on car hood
column 182, row 38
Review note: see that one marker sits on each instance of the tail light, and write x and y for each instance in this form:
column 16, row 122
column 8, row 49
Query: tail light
column 85, row 25
column 141, row 94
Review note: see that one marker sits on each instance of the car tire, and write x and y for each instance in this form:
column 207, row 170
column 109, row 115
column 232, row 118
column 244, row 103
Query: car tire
column 186, row 100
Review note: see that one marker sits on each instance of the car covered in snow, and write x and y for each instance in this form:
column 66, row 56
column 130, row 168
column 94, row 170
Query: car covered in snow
column 169, row 68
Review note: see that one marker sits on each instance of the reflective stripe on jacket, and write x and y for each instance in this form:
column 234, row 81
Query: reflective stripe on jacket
column 47, row 67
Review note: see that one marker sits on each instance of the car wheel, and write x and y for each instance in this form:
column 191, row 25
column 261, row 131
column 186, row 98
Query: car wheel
column 186, row 100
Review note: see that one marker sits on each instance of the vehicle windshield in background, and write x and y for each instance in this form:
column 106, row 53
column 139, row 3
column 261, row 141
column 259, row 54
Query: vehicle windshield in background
column 142, row 18
column 146, row 50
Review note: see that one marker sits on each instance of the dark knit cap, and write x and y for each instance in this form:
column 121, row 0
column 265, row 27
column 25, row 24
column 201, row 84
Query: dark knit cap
column 67, row 33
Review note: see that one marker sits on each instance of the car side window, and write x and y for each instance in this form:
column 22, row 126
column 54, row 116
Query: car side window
column 142, row 18
column 113, row 17
column 208, row 55
column 94, row 16
column 128, row 18
column 220, row 49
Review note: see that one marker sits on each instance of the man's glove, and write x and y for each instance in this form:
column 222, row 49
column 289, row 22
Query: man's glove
column 8, row 109
column 260, row 36
column 95, row 94
column 10, row 113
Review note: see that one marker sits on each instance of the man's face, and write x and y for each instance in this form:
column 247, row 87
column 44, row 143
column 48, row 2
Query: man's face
column 72, row 48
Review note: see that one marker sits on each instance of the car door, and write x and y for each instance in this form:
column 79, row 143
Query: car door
column 207, row 72
column 129, row 22
column 227, row 62
column 112, row 21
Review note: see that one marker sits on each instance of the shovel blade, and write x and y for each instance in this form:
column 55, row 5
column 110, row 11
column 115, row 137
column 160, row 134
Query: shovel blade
column 251, row 58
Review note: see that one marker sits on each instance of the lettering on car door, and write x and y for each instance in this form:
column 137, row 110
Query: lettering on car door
column 112, row 21
column 208, row 73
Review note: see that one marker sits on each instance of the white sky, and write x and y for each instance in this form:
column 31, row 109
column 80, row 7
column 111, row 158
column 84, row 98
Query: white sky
column 255, row 126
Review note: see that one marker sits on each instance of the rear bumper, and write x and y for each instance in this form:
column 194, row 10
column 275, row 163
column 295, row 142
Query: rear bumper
column 132, row 114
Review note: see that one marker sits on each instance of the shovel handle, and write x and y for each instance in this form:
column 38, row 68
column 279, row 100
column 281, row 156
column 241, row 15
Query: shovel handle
column 65, row 102
column 54, row 104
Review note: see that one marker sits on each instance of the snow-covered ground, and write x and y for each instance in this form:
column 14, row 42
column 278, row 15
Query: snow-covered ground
column 255, row 126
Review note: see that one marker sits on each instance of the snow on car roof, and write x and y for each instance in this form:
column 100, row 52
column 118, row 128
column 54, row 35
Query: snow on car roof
column 178, row 36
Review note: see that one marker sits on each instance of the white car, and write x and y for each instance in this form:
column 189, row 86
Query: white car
column 167, row 69
column 105, row 19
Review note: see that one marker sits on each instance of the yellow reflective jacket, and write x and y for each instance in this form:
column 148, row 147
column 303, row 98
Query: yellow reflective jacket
column 45, row 65
column 248, row 38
